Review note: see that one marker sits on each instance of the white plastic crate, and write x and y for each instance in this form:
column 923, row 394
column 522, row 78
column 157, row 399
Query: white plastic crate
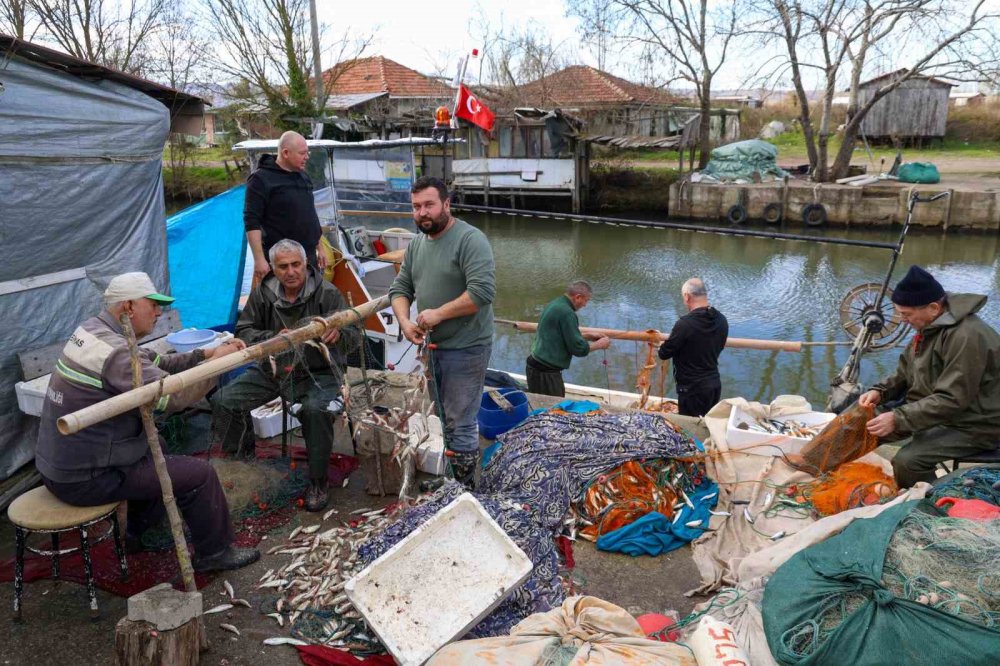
column 739, row 439
column 430, row 454
column 459, row 560
column 267, row 419
column 31, row 395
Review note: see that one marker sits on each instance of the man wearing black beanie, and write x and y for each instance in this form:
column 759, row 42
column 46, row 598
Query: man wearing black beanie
column 948, row 379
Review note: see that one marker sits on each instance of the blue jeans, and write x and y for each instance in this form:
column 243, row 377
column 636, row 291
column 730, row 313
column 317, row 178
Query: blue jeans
column 458, row 378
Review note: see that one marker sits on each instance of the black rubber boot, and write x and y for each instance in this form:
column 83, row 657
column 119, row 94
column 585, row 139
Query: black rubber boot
column 317, row 496
column 230, row 558
column 464, row 464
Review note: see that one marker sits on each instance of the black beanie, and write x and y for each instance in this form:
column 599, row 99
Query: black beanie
column 917, row 288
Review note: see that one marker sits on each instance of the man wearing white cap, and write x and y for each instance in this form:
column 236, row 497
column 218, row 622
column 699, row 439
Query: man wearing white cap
column 110, row 461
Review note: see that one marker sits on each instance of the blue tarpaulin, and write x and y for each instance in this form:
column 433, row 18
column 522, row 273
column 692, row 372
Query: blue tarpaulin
column 206, row 248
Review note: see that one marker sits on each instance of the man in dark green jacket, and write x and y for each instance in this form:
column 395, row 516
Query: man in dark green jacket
column 947, row 383
column 292, row 294
column 558, row 340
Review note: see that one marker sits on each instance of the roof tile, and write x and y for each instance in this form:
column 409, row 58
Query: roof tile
column 379, row 74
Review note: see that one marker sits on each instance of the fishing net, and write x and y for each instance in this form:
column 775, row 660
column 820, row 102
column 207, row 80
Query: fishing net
column 982, row 483
column 632, row 490
column 844, row 439
column 950, row 564
column 937, row 599
column 851, row 486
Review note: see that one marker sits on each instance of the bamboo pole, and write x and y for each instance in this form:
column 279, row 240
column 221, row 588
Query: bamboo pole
column 119, row 404
column 166, row 485
column 656, row 336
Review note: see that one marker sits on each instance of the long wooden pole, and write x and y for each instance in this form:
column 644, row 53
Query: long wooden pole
column 166, row 485
column 101, row 411
column 656, row 336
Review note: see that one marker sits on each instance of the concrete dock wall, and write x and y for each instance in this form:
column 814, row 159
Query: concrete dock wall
column 846, row 205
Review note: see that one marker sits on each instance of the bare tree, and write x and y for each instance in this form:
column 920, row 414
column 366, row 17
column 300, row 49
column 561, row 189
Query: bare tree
column 692, row 37
column 113, row 33
column 267, row 44
column 16, row 18
column 929, row 37
column 598, row 21
column 517, row 55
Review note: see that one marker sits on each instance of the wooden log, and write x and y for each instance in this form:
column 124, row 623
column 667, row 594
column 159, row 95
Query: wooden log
column 141, row 644
column 656, row 336
column 119, row 404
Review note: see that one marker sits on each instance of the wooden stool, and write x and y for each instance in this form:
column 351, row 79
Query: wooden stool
column 42, row 512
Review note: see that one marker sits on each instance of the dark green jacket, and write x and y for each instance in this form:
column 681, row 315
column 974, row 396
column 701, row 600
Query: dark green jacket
column 558, row 338
column 267, row 312
column 950, row 377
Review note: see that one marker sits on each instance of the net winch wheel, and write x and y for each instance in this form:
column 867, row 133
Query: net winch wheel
column 857, row 309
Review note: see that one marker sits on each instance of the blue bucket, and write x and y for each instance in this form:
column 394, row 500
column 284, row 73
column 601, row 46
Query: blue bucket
column 494, row 421
column 190, row 339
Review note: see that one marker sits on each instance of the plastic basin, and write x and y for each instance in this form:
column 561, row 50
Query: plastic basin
column 190, row 339
column 494, row 421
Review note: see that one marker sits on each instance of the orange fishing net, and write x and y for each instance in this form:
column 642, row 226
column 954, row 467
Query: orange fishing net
column 850, row 486
column 844, row 439
column 621, row 497
column 643, row 383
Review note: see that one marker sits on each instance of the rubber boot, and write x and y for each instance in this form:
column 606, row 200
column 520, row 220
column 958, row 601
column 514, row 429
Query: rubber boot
column 464, row 465
column 230, row 558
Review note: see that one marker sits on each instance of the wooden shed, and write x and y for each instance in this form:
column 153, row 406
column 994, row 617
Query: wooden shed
column 917, row 109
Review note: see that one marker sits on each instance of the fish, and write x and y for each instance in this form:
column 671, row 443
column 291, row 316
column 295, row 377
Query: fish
column 295, row 533
column 279, row 618
column 329, row 513
column 278, row 582
column 217, row 609
column 284, row 640
column 242, row 602
column 310, row 529
column 230, row 628
column 229, row 588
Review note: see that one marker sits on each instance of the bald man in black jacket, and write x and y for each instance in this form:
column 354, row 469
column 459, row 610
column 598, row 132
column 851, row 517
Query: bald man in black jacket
column 695, row 343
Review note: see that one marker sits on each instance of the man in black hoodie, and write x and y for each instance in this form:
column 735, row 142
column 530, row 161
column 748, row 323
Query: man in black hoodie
column 695, row 343
column 279, row 204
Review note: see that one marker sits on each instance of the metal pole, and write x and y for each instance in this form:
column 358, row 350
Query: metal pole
column 317, row 66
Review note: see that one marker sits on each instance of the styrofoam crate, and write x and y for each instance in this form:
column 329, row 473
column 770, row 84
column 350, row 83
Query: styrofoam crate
column 430, row 454
column 31, row 395
column 267, row 419
column 459, row 560
column 738, row 439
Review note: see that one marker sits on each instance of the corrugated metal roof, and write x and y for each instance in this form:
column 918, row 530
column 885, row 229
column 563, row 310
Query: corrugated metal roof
column 347, row 101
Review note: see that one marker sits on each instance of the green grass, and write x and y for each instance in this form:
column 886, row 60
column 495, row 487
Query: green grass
column 207, row 174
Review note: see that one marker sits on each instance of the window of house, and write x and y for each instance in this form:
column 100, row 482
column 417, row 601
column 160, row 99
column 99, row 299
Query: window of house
column 506, row 138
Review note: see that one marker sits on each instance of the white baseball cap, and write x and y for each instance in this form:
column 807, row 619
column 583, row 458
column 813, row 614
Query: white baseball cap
column 133, row 286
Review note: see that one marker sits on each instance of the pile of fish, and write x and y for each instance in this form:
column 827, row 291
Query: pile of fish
column 776, row 427
column 312, row 583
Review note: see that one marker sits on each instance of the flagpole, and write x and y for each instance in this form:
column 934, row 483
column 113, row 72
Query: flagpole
column 458, row 89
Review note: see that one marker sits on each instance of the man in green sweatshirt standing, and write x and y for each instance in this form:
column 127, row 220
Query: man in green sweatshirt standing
column 945, row 394
column 449, row 272
column 558, row 340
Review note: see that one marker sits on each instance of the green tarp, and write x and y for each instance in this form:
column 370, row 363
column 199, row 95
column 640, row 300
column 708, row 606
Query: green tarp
column 918, row 172
column 805, row 598
column 741, row 160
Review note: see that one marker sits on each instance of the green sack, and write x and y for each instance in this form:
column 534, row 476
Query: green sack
column 828, row 605
column 919, row 172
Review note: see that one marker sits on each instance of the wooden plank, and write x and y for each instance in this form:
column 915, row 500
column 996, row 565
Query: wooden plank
column 38, row 362
column 47, row 280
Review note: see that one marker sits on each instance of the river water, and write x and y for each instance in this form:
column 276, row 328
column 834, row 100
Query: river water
column 767, row 289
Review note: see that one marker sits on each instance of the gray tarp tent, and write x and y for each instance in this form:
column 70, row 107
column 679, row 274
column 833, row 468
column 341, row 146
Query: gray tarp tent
column 81, row 200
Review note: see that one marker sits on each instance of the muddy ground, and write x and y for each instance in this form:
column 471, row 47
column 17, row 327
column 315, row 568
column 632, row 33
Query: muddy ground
column 57, row 629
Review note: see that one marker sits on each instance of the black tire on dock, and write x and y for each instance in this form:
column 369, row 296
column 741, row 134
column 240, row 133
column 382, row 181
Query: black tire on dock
column 737, row 214
column 772, row 213
column 814, row 215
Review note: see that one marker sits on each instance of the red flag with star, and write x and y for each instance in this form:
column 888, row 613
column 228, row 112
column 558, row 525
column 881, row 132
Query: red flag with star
column 471, row 109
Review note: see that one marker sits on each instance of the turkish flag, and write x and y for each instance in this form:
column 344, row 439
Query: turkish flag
column 471, row 109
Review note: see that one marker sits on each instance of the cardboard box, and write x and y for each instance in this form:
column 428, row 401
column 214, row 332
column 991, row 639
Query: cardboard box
column 267, row 419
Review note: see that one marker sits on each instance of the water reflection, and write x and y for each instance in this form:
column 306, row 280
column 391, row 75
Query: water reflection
column 767, row 289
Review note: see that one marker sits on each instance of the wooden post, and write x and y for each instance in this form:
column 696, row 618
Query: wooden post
column 140, row 644
column 166, row 485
